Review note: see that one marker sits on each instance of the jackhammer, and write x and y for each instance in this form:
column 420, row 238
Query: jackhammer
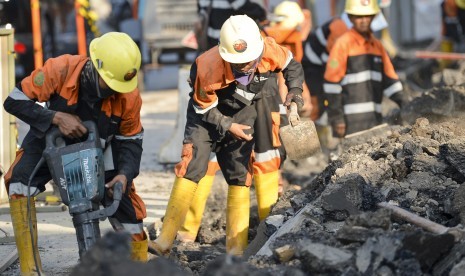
column 79, row 172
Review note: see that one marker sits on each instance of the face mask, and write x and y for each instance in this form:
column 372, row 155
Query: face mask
column 239, row 72
column 104, row 93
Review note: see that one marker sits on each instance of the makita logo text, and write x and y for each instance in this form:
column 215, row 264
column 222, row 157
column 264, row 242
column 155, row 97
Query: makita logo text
column 87, row 174
column 63, row 184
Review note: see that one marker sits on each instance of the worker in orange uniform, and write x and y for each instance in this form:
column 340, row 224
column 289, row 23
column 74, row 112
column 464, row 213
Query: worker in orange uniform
column 289, row 26
column 268, row 154
column 316, row 52
column 453, row 25
column 358, row 74
column 102, row 88
column 229, row 82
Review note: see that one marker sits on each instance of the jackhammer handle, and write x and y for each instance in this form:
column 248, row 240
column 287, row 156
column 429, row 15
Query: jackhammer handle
column 54, row 133
column 117, row 191
column 52, row 136
column 105, row 212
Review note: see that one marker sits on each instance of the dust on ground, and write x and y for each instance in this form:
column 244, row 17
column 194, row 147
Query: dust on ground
column 329, row 222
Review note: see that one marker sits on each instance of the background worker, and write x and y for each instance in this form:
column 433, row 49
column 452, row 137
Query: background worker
column 317, row 46
column 102, row 89
column 228, row 81
column 316, row 52
column 358, row 74
column 213, row 13
column 453, row 26
column 289, row 26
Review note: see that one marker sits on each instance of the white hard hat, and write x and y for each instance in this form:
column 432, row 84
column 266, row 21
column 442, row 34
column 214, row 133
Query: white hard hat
column 362, row 7
column 291, row 13
column 240, row 40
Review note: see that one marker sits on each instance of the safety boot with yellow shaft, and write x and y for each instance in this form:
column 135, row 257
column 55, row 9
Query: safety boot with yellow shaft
column 28, row 251
column 181, row 197
column 446, row 46
column 266, row 189
column 388, row 43
column 237, row 219
column 139, row 248
column 191, row 225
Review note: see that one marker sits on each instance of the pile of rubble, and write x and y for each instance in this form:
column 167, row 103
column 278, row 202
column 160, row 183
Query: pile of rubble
column 338, row 223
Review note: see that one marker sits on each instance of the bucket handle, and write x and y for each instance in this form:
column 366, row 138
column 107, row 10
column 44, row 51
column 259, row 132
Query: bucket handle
column 294, row 118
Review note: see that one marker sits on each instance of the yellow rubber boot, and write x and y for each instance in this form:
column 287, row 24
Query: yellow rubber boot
column 26, row 247
column 191, row 225
column 139, row 250
column 447, row 46
column 181, row 197
column 388, row 43
column 237, row 219
column 266, row 189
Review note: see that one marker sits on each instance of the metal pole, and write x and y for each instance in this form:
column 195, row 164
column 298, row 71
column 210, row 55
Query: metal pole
column 135, row 9
column 81, row 30
column 37, row 34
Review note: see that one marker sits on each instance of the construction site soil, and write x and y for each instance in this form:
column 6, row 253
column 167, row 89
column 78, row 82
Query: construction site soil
column 338, row 215
column 341, row 217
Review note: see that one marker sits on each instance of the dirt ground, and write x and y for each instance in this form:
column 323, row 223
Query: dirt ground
column 331, row 219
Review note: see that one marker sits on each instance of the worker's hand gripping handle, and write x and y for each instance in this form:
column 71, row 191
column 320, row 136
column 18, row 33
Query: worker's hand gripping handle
column 117, row 191
column 54, row 133
column 105, row 212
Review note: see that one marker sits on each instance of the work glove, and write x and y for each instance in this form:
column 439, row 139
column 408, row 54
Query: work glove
column 400, row 99
column 295, row 95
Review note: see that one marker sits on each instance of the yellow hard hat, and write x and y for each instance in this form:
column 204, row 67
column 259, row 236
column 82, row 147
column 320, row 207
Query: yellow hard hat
column 117, row 60
column 291, row 13
column 240, row 40
column 460, row 3
column 362, row 7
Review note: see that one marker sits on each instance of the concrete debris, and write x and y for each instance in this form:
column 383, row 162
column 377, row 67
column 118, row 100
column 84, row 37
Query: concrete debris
column 284, row 253
column 321, row 258
column 231, row 266
column 419, row 166
column 111, row 256
column 333, row 225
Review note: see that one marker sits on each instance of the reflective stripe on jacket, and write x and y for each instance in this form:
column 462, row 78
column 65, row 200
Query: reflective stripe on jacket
column 358, row 74
column 57, row 85
column 320, row 41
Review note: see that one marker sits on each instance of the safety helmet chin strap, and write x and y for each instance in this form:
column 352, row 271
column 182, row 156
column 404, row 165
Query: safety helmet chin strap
column 106, row 92
column 97, row 79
